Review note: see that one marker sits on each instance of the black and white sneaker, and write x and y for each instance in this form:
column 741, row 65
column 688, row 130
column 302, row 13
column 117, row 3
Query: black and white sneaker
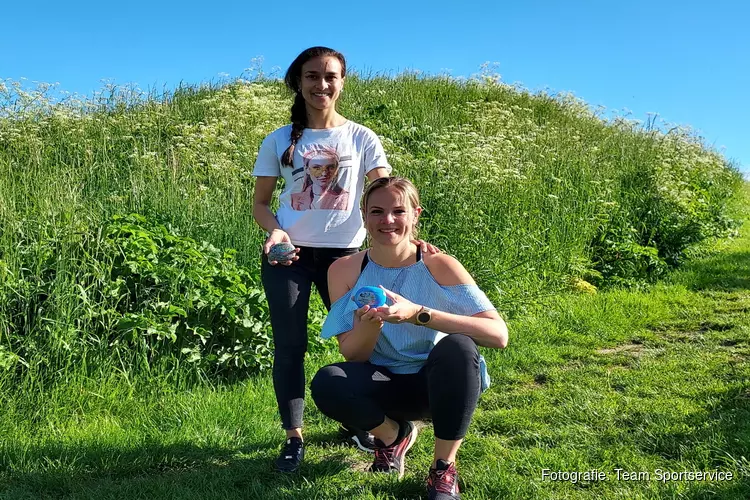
column 291, row 455
column 362, row 439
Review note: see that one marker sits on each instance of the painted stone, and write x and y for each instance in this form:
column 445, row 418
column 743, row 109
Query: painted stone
column 372, row 296
column 281, row 252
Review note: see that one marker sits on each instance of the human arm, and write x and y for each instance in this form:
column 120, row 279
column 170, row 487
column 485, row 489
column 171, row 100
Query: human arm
column 374, row 163
column 377, row 173
column 355, row 344
column 262, row 194
column 487, row 328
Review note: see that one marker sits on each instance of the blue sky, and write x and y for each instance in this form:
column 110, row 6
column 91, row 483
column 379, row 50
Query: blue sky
column 688, row 61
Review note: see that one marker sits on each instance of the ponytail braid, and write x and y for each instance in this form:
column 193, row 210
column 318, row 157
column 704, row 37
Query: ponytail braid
column 299, row 123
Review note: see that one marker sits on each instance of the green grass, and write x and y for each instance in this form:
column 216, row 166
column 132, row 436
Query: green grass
column 551, row 191
column 637, row 380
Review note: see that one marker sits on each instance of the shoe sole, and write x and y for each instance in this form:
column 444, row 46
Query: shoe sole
column 286, row 471
column 412, row 440
column 361, row 446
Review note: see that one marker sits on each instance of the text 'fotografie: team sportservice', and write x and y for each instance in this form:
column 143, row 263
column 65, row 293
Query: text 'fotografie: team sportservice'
column 624, row 475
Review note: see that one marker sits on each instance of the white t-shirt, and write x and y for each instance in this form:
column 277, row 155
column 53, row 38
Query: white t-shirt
column 319, row 206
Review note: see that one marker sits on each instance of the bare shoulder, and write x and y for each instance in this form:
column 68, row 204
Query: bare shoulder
column 447, row 270
column 345, row 270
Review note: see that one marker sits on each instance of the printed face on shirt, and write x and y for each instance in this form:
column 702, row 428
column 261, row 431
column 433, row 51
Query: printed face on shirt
column 321, row 82
column 323, row 171
column 323, row 183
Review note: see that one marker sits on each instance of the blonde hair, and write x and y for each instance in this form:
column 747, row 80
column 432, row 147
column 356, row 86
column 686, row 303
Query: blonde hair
column 403, row 185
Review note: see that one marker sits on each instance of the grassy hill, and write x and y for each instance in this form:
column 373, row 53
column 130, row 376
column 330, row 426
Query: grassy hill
column 131, row 316
column 534, row 193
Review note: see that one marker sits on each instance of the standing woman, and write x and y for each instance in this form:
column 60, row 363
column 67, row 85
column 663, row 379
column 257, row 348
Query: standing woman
column 324, row 228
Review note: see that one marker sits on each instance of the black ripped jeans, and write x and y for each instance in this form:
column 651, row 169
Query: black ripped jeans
column 288, row 291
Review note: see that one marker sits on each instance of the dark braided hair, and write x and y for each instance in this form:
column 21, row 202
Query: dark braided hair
column 293, row 80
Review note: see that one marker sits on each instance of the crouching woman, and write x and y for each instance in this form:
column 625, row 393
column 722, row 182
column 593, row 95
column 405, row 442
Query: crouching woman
column 415, row 357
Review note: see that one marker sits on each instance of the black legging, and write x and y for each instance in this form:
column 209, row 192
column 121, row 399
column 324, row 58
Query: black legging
column 288, row 293
column 446, row 388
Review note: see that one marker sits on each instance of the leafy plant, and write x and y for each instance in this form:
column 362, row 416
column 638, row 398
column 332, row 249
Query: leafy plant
column 180, row 297
column 131, row 290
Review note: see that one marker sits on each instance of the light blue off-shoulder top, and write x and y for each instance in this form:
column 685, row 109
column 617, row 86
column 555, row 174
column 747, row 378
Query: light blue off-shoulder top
column 403, row 348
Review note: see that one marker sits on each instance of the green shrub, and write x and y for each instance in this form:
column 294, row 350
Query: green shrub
column 670, row 196
column 177, row 296
column 134, row 290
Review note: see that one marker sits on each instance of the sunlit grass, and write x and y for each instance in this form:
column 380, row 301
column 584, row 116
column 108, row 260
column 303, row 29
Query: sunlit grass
column 535, row 194
column 631, row 380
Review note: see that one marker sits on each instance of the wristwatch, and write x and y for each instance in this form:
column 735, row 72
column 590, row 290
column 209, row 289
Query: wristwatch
column 423, row 316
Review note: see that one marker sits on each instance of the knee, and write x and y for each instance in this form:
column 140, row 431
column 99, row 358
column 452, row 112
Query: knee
column 458, row 348
column 293, row 352
column 330, row 383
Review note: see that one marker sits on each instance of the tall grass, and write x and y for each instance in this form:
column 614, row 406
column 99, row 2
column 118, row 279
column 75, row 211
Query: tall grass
column 532, row 192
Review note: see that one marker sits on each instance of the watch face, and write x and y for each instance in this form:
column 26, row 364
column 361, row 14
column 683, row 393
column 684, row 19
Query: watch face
column 423, row 317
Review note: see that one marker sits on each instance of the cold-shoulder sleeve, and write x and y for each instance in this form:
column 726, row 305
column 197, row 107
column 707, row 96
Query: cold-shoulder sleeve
column 340, row 318
column 465, row 300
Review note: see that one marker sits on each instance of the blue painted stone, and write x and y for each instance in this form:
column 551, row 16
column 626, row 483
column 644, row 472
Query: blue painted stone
column 372, row 296
column 281, row 252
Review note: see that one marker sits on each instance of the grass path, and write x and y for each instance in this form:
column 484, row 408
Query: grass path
column 631, row 380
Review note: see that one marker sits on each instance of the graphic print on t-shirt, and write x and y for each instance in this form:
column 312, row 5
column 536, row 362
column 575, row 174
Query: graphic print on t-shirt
column 322, row 182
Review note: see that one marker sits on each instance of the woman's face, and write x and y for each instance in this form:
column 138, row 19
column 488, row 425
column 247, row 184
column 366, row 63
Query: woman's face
column 323, row 171
column 389, row 217
column 321, row 81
